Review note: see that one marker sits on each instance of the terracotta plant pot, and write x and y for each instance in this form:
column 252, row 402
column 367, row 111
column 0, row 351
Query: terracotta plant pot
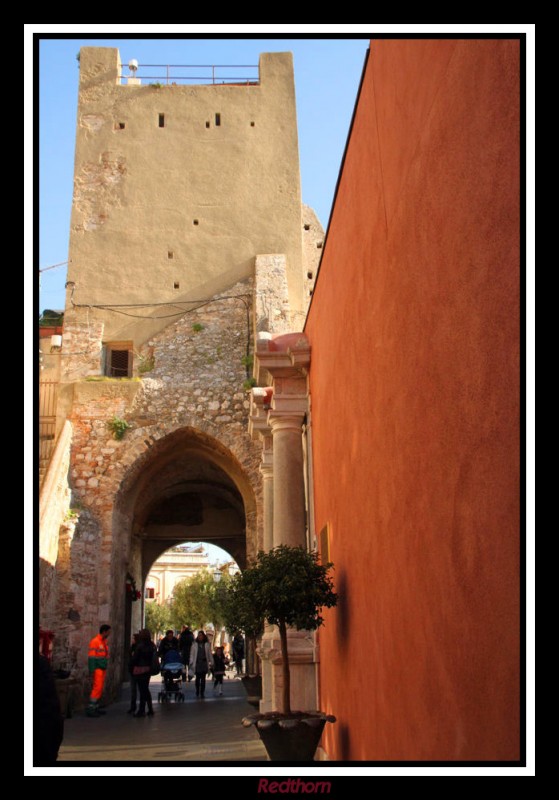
column 290, row 737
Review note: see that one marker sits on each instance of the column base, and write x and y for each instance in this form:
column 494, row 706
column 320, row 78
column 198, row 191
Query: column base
column 302, row 663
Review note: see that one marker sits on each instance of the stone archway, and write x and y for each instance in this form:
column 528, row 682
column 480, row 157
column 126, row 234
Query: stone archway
column 186, row 487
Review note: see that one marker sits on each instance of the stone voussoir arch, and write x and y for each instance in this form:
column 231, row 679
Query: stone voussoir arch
column 210, row 469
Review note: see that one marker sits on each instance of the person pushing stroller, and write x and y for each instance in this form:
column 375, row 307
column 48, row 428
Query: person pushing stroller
column 171, row 668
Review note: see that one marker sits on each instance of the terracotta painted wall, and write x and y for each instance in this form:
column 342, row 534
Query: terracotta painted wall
column 414, row 328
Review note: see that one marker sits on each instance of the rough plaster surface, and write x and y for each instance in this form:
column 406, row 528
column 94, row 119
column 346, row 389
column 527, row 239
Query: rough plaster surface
column 313, row 241
column 139, row 191
column 416, row 469
column 272, row 309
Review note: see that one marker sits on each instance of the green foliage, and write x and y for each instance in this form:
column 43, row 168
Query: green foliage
column 158, row 618
column 118, row 426
column 239, row 613
column 72, row 513
column 50, row 318
column 156, row 85
column 287, row 587
column 219, row 599
column 199, row 601
column 248, row 384
column 146, row 365
column 287, row 584
column 197, row 327
column 247, row 361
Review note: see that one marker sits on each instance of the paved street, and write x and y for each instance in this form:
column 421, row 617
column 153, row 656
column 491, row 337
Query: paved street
column 196, row 730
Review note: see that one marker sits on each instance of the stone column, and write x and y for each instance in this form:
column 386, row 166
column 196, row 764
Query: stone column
column 289, row 488
column 260, row 431
column 267, row 471
column 267, row 643
column 283, row 361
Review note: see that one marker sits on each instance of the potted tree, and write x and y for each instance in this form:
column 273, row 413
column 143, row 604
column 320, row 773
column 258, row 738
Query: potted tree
column 239, row 617
column 287, row 587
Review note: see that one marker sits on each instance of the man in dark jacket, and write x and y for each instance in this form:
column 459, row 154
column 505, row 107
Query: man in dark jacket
column 169, row 642
column 185, row 643
column 238, row 652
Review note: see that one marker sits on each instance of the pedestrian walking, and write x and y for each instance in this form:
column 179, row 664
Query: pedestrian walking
column 186, row 639
column 142, row 661
column 133, row 679
column 218, row 670
column 238, row 652
column 201, row 662
column 97, row 661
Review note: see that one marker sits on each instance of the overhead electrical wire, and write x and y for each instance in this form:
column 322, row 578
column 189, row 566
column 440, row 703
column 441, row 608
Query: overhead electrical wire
column 53, row 266
column 116, row 308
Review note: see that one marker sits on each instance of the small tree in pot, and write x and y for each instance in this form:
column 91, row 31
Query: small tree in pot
column 239, row 617
column 287, row 587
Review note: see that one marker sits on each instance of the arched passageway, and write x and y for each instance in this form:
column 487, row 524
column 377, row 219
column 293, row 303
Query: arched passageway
column 185, row 487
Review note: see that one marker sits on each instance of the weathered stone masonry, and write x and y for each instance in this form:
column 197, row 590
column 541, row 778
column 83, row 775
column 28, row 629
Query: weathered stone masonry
column 199, row 367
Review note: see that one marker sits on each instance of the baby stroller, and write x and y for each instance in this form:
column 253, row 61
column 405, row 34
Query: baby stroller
column 171, row 678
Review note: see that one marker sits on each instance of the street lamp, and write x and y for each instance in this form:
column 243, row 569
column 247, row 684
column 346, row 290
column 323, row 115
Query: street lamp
column 217, row 575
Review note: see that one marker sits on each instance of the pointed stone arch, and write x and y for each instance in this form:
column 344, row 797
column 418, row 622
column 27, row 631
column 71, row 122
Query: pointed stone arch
column 185, row 486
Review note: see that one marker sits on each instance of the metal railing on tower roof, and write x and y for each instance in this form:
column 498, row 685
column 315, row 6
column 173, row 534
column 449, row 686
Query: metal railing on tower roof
column 211, row 74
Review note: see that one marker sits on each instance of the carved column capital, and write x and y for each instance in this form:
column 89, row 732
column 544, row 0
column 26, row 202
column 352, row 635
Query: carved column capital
column 282, row 421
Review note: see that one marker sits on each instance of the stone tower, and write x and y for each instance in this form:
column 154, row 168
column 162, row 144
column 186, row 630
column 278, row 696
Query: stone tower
column 187, row 237
column 177, row 188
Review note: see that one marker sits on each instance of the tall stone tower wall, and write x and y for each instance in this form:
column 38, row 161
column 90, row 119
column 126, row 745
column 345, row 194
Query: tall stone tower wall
column 176, row 189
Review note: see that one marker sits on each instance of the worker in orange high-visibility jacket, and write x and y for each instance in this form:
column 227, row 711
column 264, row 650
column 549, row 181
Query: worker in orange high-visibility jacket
column 98, row 658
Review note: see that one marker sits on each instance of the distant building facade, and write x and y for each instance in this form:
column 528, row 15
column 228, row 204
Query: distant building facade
column 173, row 566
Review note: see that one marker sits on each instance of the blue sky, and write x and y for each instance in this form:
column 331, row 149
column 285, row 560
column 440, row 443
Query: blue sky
column 327, row 74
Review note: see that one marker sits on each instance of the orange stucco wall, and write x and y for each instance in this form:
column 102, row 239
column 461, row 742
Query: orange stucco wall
column 414, row 328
